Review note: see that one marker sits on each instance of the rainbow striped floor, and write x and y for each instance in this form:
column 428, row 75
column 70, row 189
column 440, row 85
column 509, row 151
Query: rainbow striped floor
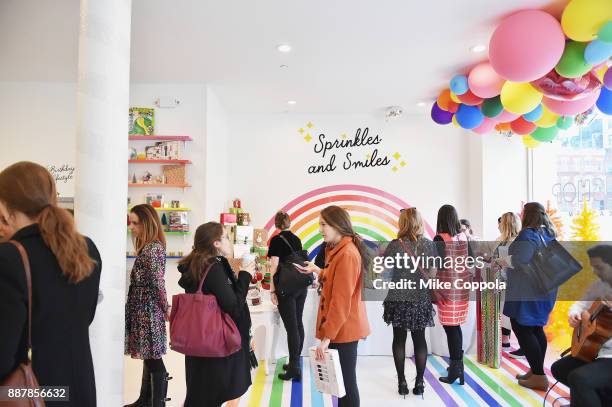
column 378, row 384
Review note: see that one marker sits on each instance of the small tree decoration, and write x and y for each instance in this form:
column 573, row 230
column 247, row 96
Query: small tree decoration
column 584, row 226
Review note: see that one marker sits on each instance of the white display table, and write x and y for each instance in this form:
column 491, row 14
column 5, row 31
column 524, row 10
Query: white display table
column 274, row 345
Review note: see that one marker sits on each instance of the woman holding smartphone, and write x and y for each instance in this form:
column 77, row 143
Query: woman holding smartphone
column 341, row 319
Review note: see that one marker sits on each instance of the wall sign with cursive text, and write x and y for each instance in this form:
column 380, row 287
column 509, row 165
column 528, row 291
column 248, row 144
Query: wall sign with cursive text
column 62, row 173
column 363, row 150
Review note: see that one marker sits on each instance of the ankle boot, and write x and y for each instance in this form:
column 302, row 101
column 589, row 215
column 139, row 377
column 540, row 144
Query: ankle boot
column 159, row 389
column 527, row 375
column 419, row 387
column 535, row 381
column 402, row 387
column 145, row 390
column 455, row 371
column 292, row 372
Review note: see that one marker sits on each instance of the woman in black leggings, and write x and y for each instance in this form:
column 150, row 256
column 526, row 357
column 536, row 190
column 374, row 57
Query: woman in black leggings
column 290, row 306
column 409, row 309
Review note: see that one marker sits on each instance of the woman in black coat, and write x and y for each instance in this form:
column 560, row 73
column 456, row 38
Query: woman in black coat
column 65, row 269
column 213, row 381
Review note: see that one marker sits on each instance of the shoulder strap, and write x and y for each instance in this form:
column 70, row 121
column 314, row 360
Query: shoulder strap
column 28, row 275
column 287, row 242
column 204, row 277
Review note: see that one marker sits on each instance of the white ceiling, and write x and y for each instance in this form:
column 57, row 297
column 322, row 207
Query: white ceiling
column 349, row 56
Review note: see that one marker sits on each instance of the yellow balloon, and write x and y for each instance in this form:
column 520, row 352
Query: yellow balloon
column 601, row 72
column 454, row 120
column 582, row 19
column 520, row 97
column 548, row 118
column 530, row 142
column 454, row 98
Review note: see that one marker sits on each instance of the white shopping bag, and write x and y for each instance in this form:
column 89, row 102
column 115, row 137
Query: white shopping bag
column 327, row 374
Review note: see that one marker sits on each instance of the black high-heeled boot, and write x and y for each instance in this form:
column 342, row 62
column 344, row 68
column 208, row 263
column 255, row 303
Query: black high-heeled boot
column 402, row 387
column 159, row 389
column 145, row 390
column 455, row 371
column 419, row 387
column 292, row 372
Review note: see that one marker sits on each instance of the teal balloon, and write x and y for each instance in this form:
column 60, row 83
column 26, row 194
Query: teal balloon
column 597, row 52
column 544, row 134
column 492, row 107
column 535, row 114
column 469, row 117
column 605, row 32
column 565, row 122
column 459, row 85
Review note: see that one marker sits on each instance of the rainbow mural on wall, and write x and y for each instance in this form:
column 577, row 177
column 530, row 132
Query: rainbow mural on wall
column 374, row 213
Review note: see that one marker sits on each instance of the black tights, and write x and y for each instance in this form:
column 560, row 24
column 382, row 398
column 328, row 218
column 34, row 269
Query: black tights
column 155, row 365
column 532, row 341
column 454, row 338
column 399, row 351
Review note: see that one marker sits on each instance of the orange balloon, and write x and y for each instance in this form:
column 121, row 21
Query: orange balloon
column 503, row 127
column 446, row 103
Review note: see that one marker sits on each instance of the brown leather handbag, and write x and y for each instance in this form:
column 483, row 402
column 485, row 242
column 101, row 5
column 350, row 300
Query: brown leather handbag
column 23, row 377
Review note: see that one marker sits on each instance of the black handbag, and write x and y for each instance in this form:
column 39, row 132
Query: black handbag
column 551, row 266
column 288, row 279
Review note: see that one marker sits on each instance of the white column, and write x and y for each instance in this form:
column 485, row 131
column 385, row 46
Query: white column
column 102, row 175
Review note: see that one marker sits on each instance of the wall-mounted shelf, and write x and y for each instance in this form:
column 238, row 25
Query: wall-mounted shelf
column 160, row 138
column 181, row 162
column 159, row 185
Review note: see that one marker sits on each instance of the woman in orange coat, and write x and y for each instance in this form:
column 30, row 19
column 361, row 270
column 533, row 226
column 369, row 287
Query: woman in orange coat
column 342, row 319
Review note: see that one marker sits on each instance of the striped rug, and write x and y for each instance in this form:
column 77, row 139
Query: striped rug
column 378, row 386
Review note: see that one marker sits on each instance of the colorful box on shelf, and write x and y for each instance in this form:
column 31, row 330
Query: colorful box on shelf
column 244, row 234
column 260, row 237
column 235, row 210
column 228, row 218
column 261, row 251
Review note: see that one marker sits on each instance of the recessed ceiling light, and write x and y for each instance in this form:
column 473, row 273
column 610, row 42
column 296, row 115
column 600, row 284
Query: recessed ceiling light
column 291, row 102
column 421, row 104
column 478, row 48
column 284, row 48
column 284, row 66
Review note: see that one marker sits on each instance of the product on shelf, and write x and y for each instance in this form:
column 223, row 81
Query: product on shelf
column 174, row 174
column 228, row 219
column 244, row 234
column 243, row 219
column 166, row 150
column 141, row 121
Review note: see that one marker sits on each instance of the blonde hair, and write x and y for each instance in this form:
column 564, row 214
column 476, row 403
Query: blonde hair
column 410, row 224
column 509, row 226
column 29, row 188
column 152, row 230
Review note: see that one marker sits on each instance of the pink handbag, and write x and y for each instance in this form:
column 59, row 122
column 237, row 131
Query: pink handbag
column 198, row 326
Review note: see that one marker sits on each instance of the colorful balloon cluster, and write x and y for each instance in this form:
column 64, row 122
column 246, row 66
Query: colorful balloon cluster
column 541, row 75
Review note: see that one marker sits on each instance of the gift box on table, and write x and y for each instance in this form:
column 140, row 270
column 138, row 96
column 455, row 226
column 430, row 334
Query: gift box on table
column 228, row 219
column 235, row 210
column 244, row 234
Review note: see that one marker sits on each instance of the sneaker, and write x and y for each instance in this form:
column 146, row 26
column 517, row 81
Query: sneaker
column 517, row 354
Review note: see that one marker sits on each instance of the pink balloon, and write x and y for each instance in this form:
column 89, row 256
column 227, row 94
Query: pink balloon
column 571, row 107
column 505, row 117
column 486, row 126
column 526, row 46
column 484, row 82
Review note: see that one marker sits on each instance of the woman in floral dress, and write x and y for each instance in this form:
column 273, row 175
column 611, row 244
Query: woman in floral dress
column 146, row 308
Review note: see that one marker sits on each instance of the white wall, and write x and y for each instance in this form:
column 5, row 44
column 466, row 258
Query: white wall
column 216, row 157
column 269, row 160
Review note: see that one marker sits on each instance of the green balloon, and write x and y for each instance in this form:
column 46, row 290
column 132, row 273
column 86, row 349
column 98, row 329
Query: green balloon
column 565, row 122
column 605, row 32
column 545, row 134
column 572, row 63
column 492, row 107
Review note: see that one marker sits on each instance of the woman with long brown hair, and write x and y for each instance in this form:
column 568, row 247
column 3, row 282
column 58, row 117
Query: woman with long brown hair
column 341, row 319
column 213, row 381
column 410, row 309
column 65, row 268
column 146, row 308
column 528, row 316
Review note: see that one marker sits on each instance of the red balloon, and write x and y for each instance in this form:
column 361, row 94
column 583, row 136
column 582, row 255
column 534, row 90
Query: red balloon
column 468, row 98
column 522, row 126
column 558, row 87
